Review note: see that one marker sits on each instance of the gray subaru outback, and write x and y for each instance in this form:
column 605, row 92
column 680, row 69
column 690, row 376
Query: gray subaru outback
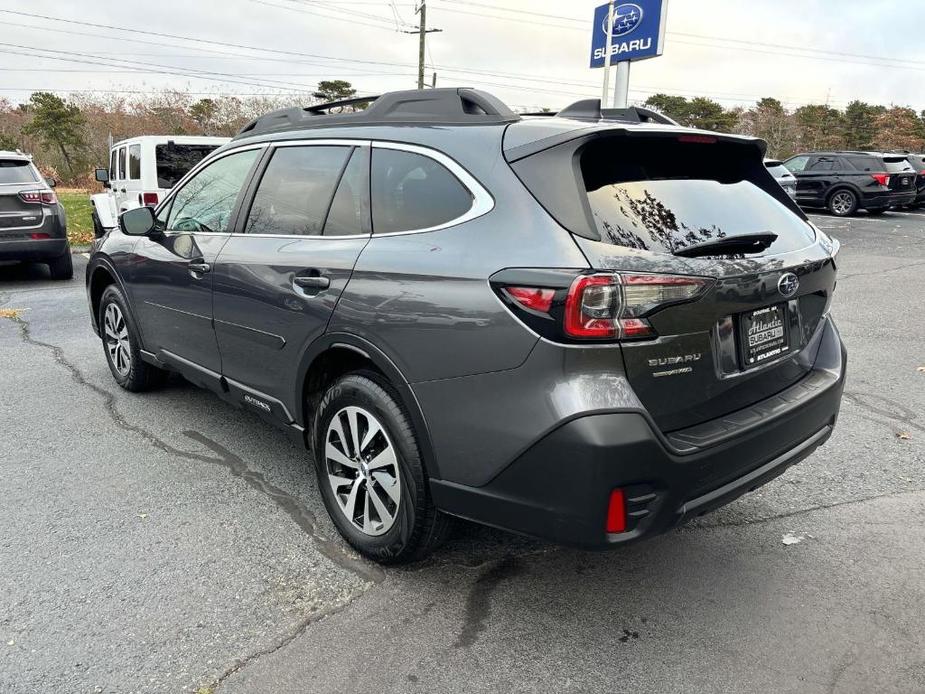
column 587, row 327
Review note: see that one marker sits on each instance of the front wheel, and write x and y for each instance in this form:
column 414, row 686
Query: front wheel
column 843, row 203
column 370, row 472
column 122, row 347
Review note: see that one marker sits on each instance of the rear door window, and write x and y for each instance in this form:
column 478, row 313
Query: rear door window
column 822, row 164
column 863, row 162
column 651, row 196
column 412, row 192
column 121, row 163
column 16, row 171
column 134, row 162
column 174, row 161
column 349, row 213
column 113, row 171
column 296, row 190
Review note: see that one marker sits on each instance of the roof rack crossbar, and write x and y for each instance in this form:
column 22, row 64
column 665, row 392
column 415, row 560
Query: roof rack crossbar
column 454, row 106
column 590, row 109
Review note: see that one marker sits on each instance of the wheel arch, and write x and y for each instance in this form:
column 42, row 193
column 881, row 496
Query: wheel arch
column 100, row 275
column 335, row 354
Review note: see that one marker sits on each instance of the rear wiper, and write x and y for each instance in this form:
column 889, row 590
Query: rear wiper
column 743, row 243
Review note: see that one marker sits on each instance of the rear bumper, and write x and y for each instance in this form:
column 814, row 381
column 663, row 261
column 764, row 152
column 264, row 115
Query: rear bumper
column 879, row 202
column 558, row 489
column 32, row 249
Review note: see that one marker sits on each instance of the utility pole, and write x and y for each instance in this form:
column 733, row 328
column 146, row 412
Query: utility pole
column 422, row 32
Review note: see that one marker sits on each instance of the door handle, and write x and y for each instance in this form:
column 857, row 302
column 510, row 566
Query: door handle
column 316, row 282
column 199, row 267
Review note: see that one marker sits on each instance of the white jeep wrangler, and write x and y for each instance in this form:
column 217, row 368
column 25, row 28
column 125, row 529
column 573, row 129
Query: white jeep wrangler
column 141, row 172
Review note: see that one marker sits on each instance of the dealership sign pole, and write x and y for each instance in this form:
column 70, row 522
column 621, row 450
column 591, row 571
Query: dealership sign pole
column 626, row 31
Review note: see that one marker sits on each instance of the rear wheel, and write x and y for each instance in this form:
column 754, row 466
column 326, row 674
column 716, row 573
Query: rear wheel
column 121, row 345
column 843, row 203
column 370, row 472
column 62, row 267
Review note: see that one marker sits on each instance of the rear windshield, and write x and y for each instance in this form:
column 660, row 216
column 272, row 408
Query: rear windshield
column 174, row 161
column 665, row 196
column 16, row 171
column 897, row 165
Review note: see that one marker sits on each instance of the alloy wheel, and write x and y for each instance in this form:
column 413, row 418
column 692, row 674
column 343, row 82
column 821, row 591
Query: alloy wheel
column 362, row 470
column 842, row 203
column 117, row 339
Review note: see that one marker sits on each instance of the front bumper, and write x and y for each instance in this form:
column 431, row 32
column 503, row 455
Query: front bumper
column 559, row 488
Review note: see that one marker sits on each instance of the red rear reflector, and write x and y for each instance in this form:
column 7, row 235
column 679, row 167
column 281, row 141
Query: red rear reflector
column 616, row 512
column 40, row 235
column 532, row 298
column 697, row 139
column 636, row 327
column 881, row 178
column 149, row 199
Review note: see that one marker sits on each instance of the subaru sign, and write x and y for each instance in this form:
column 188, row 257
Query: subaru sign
column 638, row 31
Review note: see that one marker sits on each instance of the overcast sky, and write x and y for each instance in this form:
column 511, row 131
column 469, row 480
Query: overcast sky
column 531, row 54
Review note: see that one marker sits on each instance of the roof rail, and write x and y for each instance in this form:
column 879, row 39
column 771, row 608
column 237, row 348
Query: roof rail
column 445, row 106
column 590, row 109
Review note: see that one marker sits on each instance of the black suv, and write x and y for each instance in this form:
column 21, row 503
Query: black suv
column 845, row 182
column 33, row 227
column 587, row 327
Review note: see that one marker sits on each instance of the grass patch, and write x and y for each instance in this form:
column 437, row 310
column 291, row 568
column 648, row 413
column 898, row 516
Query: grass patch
column 78, row 209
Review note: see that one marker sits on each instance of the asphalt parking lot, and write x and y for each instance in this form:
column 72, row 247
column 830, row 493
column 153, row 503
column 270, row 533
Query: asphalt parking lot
column 167, row 542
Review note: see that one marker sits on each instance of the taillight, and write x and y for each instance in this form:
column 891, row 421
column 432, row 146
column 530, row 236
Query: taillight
column 533, row 298
column 614, row 305
column 149, row 199
column 881, row 178
column 39, row 197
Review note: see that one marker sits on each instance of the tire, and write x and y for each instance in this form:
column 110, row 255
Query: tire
column 62, row 267
column 398, row 523
column 121, row 345
column 843, row 203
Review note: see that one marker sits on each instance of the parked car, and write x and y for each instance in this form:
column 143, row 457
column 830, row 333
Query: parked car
column 580, row 328
column 845, row 182
column 783, row 176
column 141, row 172
column 917, row 161
column 33, row 226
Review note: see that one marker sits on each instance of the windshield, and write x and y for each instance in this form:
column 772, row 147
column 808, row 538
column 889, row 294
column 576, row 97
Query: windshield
column 778, row 170
column 174, row 161
column 16, row 171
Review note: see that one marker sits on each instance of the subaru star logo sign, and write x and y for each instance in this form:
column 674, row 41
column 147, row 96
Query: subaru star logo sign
column 626, row 18
column 788, row 284
column 638, row 31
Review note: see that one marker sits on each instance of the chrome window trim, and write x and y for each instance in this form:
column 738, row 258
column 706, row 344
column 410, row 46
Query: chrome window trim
column 482, row 200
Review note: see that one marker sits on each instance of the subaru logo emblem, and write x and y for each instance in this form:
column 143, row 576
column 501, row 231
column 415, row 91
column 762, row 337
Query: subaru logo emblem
column 788, row 284
column 626, row 18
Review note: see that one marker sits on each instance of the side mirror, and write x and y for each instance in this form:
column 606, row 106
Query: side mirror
column 137, row 222
column 51, row 182
column 102, row 175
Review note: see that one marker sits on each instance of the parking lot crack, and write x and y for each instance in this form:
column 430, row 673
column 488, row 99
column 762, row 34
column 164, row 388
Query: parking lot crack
column 297, row 511
column 478, row 604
